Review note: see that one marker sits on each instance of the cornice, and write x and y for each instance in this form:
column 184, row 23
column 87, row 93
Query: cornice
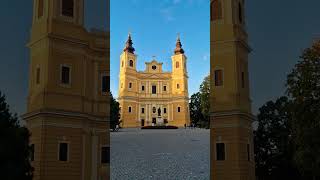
column 232, row 113
column 56, row 112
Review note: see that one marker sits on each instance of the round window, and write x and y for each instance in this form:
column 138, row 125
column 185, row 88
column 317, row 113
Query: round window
column 154, row 67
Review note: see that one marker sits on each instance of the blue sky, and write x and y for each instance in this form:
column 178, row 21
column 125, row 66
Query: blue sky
column 154, row 26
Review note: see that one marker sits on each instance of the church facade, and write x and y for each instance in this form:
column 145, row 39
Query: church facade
column 69, row 97
column 153, row 96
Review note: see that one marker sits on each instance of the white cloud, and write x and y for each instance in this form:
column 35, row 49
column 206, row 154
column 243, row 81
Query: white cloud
column 167, row 13
column 206, row 57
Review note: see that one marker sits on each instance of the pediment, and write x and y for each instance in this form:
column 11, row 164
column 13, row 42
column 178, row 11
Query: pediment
column 152, row 76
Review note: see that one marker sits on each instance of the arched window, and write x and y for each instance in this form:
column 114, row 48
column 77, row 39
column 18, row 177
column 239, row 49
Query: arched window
column 240, row 13
column 242, row 80
column 131, row 63
column 154, row 89
column 177, row 64
column 215, row 10
column 38, row 75
column 68, row 8
column 40, row 8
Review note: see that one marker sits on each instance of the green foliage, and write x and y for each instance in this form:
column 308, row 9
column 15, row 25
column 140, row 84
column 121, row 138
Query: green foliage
column 200, row 105
column 205, row 98
column 303, row 87
column 195, row 108
column 287, row 140
column 14, row 146
column 273, row 141
column 114, row 113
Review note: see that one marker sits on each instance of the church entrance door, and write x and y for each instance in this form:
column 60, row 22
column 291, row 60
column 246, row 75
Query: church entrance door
column 142, row 122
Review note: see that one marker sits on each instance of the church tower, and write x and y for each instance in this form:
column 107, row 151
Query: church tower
column 232, row 155
column 128, row 85
column 180, row 84
column 68, row 102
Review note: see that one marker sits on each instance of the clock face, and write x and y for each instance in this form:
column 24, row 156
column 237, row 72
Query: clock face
column 154, row 67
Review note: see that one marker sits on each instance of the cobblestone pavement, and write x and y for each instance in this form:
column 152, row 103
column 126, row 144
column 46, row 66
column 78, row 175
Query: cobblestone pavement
column 180, row 154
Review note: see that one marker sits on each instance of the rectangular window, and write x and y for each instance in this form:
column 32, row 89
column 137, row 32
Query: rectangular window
column 142, row 88
column 154, row 89
column 179, row 109
column 130, row 85
column 129, row 109
column 164, row 110
column 67, row 7
column 32, row 152
column 218, row 78
column 105, row 155
column 242, row 79
column 220, row 150
column 65, row 75
column 40, row 8
column 105, row 84
column 248, row 152
column 38, row 76
column 164, row 88
column 63, row 152
column 142, row 110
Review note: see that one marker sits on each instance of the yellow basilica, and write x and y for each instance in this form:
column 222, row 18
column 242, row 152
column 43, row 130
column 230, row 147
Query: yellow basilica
column 153, row 96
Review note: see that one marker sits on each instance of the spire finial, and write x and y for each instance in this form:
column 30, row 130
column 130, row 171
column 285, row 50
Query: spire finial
column 178, row 49
column 129, row 33
column 128, row 47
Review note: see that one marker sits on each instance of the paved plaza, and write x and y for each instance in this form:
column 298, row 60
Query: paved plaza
column 179, row 154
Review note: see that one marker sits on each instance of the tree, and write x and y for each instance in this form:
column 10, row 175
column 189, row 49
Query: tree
column 205, row 99
column 303, row 87
column 114, row 113
column 200, row 104
column 14, row 146
column 195, row 108
column 273, row 142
